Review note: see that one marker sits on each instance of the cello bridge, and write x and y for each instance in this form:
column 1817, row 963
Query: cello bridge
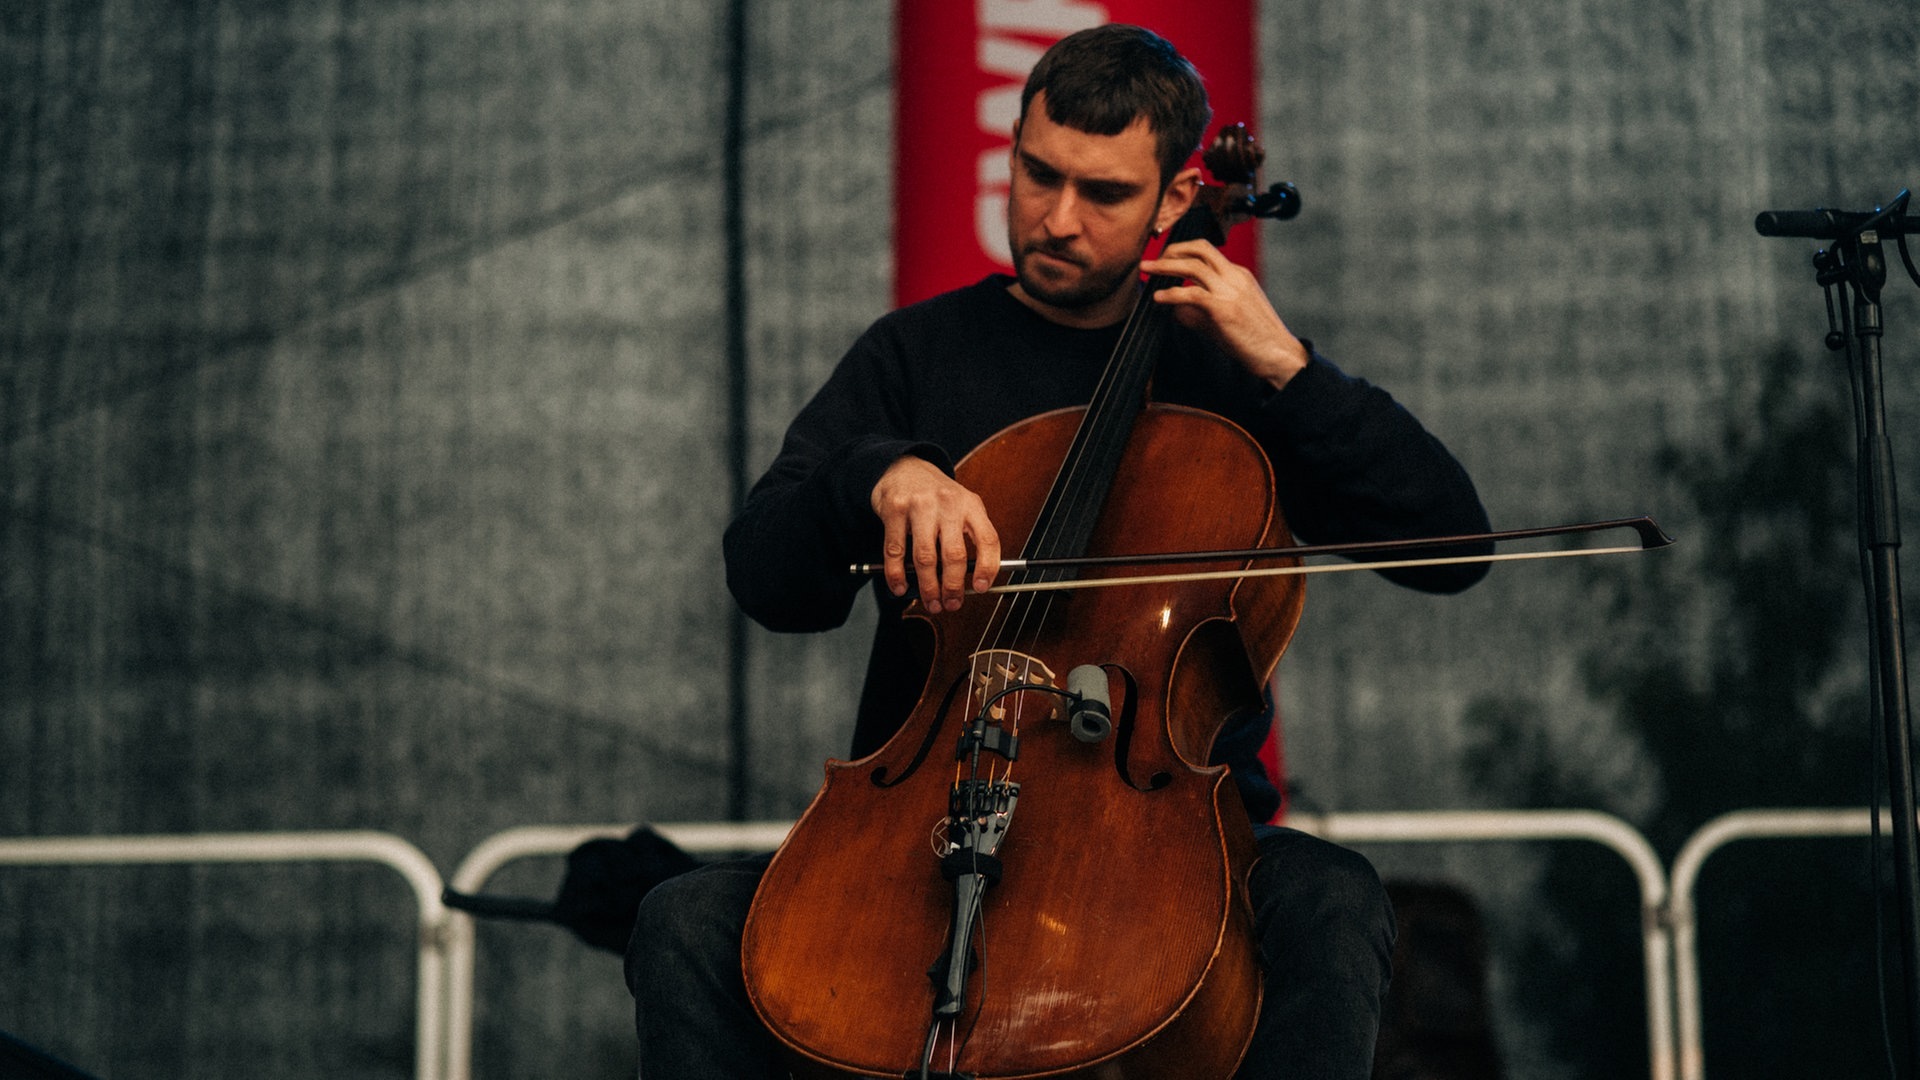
column 996, row 677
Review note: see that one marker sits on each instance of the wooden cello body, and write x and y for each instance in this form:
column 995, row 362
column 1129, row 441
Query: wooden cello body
column 1114, row 937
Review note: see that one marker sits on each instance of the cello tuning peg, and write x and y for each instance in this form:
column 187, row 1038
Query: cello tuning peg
column 1280, row 202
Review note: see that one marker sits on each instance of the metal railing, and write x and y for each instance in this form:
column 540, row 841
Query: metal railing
column 1683, row 919
column 1427, row 827
column 1524, row 825
column 444, row 990
column 536, row 840
column 384, row 849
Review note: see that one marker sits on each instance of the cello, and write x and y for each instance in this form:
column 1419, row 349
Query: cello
column 1068, row 898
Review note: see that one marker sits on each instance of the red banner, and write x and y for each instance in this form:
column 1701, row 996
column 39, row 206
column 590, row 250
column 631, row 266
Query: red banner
column 960, row 70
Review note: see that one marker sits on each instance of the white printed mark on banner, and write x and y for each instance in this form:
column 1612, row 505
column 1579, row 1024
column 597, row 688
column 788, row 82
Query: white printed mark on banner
column 1008, row 60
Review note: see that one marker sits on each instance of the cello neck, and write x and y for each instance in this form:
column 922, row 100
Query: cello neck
column 1066, row 522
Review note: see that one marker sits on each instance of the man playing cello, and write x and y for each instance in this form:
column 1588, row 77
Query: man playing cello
column 1109, row 116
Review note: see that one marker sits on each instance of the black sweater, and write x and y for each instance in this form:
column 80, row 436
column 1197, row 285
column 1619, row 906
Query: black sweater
column 938, row 378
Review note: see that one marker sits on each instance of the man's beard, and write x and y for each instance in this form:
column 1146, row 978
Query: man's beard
column 1094, row 284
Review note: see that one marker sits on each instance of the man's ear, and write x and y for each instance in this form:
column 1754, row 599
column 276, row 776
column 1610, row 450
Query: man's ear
column 1178, row 197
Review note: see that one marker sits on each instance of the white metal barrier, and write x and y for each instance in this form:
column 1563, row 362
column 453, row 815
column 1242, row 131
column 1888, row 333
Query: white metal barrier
column 1715, row 834
column 1494, row 825
column 371, row 847
column 445, row 981
column 502, row 848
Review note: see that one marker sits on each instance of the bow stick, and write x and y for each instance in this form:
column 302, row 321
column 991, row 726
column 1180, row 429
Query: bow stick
column 1651, row 537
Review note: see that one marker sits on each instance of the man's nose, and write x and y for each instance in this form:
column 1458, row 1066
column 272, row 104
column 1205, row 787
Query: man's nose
column 1063, row 216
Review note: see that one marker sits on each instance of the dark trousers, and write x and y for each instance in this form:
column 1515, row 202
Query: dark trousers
column 1321, row 919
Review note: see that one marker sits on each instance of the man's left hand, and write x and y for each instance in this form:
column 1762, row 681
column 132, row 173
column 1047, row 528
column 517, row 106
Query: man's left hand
column 1223, row 300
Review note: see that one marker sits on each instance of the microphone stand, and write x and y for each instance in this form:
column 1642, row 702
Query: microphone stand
column 1856, row 259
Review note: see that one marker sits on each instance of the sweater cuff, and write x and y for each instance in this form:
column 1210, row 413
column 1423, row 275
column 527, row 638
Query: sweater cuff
column 1313, row 399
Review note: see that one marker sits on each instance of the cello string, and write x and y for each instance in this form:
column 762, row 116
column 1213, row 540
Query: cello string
column 1078, row 487
column 1010, row 623
column 1079, row 490
column 1120, row 369
column 1074, row 502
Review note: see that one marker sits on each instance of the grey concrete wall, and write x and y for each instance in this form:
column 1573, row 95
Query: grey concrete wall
column 365, row 434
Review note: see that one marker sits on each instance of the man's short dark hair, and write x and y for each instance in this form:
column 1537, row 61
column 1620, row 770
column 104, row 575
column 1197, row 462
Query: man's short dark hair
column 1100, row 80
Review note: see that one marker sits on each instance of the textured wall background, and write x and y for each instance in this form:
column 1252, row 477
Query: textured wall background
column 365, row 436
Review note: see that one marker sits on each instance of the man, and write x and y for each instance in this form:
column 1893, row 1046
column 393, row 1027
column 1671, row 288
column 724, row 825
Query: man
column 1108, row 118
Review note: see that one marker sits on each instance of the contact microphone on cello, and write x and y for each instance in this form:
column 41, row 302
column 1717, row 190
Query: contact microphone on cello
column 1091, row 715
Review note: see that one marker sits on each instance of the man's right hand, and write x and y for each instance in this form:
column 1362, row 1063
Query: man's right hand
column 926, row 510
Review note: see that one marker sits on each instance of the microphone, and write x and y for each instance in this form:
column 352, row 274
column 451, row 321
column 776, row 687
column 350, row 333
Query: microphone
column 1824, row 224
column 1090, row 717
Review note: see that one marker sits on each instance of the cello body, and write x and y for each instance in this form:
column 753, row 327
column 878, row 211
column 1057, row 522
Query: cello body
column 1117, row 943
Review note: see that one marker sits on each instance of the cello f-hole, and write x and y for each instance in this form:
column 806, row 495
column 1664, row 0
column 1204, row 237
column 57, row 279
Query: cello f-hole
column 1125, row 727
column 879, row 778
